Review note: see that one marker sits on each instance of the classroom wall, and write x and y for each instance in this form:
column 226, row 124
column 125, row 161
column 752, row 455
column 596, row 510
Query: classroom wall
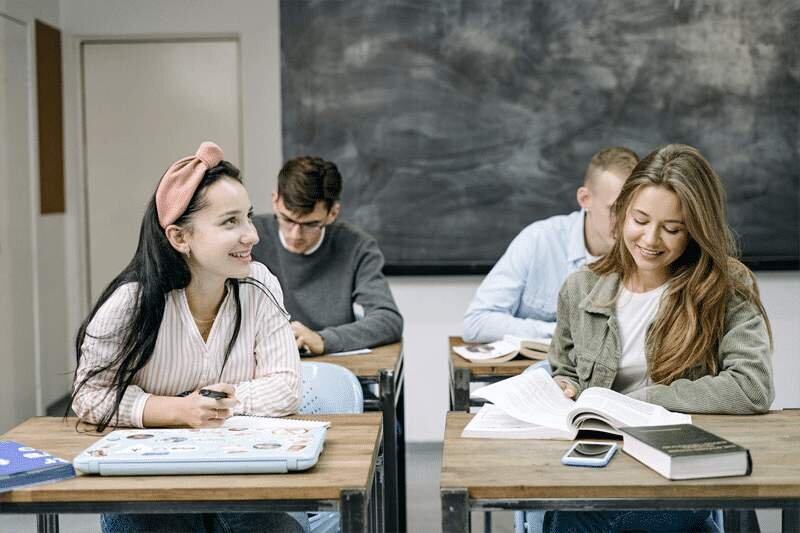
column 48, row 289
column 432, row 306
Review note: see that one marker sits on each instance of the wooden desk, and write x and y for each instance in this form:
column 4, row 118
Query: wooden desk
column 487, row 475
column 343, row 481
column 463, row 372
column 384, row 367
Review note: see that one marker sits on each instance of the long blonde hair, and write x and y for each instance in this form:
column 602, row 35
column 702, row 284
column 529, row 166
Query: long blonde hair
column 690, row 324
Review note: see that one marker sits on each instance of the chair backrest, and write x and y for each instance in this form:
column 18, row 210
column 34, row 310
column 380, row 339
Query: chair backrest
column 329, row 389
column 544, row 363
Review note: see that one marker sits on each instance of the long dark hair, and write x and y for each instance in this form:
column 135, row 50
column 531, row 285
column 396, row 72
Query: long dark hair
column 157, row 268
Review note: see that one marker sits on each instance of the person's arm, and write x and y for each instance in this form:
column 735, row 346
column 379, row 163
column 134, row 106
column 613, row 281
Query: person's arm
column 561, row 355
column 275, row 389
column 100, row 347
column 382, row 322
column 491, row 313
column 744, row 383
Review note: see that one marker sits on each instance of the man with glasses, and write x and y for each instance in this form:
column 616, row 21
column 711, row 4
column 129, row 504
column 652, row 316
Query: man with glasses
column 330, row 271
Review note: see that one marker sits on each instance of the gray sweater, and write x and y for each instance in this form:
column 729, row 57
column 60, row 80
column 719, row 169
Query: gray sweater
column 320, row 289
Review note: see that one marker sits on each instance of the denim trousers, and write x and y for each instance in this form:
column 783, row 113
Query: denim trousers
column 203, row 522
column 624, row 521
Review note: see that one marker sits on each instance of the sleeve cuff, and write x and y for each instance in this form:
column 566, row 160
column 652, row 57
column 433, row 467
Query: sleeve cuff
column 333, row 342
column 137, row 414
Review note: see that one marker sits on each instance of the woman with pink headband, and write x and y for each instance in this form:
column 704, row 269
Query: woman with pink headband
column 190, row 311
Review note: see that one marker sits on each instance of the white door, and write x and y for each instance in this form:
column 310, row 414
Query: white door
column 17, row 356
column 146, row 105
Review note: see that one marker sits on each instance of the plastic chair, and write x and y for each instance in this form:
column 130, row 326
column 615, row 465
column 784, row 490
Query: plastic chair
column 328, row 389
column 533, row 521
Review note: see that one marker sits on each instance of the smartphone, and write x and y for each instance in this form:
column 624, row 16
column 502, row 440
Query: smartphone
column 590, row 453
column 217, row 395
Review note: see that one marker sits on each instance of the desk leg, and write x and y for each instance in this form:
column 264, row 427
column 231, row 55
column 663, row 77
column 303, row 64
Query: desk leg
column 455, row 511
column 353, row 506
column 47, row 523
column 790, row 520
column 391, row 454
column 459, row 389
column 401, row 454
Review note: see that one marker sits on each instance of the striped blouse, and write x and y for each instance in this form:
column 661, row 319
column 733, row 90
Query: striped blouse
column 264, row 364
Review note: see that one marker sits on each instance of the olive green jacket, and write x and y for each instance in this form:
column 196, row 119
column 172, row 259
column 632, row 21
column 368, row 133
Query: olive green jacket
column 586, row 350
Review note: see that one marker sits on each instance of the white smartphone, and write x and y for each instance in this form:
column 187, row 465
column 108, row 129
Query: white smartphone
column 590, row 453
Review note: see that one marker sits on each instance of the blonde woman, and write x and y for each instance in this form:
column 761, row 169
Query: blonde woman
column 668, row 316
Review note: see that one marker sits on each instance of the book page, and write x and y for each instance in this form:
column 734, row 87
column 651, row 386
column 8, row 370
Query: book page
column 494, row 423
column 531, row 397
column 484, row 352
column 621, row 410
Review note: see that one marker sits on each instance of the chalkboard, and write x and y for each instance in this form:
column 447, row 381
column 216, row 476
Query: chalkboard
column 457, row 123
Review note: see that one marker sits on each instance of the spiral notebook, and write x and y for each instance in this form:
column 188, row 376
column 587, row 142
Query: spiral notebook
column 243, row 445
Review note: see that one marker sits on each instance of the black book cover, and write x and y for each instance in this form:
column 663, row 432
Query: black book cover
column 680, row 440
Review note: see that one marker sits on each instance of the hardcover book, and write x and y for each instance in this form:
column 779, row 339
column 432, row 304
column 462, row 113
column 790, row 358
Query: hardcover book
column 22, row 465
column 685, row 451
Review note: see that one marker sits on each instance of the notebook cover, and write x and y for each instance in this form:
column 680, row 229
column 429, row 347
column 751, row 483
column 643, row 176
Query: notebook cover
column 22, row 465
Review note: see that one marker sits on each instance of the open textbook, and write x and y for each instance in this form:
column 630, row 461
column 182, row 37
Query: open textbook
column 532, row 406
column 504, row 350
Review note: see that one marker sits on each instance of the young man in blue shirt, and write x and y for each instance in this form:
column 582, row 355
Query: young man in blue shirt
column 520, row 294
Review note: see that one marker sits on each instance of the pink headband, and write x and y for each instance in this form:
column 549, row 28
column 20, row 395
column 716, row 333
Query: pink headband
column 181, row 179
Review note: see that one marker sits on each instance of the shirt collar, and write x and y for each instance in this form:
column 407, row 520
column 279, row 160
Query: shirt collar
column 309, row 251
column 577, row 245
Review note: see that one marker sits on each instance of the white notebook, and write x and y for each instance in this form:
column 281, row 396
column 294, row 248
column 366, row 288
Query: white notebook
column 243, row 445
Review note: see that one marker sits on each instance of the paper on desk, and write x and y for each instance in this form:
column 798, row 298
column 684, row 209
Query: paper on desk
column 351, row 352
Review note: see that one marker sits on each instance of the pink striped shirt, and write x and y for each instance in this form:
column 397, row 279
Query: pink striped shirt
column 264, row 364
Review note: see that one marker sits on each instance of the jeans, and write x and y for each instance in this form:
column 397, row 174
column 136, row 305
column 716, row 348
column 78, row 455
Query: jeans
column 203, row 522
column 619, row 521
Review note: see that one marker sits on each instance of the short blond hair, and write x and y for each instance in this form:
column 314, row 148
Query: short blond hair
column 617, row 159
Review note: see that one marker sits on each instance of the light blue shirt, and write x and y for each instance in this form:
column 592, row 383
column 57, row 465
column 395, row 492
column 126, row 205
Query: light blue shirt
column 519, row 296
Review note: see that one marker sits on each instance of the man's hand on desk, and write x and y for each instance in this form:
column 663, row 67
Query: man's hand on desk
column 311, row 340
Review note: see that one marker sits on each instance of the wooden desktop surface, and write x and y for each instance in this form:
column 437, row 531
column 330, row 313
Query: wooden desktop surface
column 509, row 368
column 348, row 461
column 365, row 365
column 515, row 469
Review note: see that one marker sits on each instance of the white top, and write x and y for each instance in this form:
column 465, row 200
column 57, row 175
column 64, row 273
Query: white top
column 635, row 312
column 264, row 364
column 310, row 250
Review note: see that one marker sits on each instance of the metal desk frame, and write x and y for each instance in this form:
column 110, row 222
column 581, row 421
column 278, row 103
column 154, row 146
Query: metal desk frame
column 390, row 402
column 456, row 507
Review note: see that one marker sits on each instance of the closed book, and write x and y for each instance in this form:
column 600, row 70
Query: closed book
column 684, row 451
column 22, row 465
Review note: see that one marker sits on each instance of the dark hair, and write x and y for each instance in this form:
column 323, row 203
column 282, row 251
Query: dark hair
column 304, row 181
column 157, row 268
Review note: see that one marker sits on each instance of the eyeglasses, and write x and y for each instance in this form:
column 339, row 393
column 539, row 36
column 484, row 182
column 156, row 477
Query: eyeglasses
column 305, row 227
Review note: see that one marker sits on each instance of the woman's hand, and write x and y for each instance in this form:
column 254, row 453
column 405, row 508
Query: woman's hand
column 567, row 388
column 201, row 411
